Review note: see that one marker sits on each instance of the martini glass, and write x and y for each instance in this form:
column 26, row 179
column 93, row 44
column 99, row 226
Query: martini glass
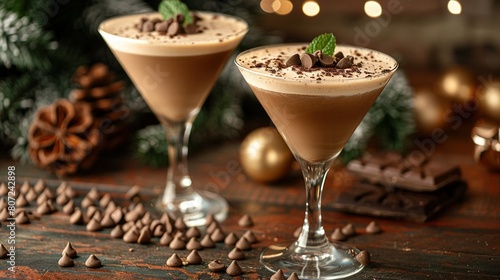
column 174, row 75
column 316, row 112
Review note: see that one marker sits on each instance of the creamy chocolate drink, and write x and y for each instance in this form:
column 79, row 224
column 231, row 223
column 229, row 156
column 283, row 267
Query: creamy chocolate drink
column 175, row 73
column 317, row 109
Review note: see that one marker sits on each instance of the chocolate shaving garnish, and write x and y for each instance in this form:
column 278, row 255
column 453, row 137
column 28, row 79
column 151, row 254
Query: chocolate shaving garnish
column 174, row 261
column 207, row 242
column 216, row 266
column 308, row 60
column 345, row 62
column 93, row 225
column 231, row 239
column 145, row 236
column 293, row 60
column 348, row 230
column 93, row 262
column 117, row 232
column 363, row 257
column 65, row 261
column 194, row 244
column 76, row 218
column 3, row 252
column 293, row 276
column 234, row 269
column 337, row 235
column 194, row 257
column 278, row 275
column 22, row 218
column 70, row 251
column 177, row 244
column 236, row 254
column 373, row 228
column 21, row 201
column 243, row 244
column 165, row 239
column 245, row 221
column 131, row 235
column 250, row 236
column 193, row 232
column 218, row 235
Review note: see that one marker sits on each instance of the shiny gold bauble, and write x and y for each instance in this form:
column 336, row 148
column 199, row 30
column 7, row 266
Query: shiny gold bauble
column 457, row 84
column 488, row 97
column 264, row 155
column 486, row 138
column 429, row 111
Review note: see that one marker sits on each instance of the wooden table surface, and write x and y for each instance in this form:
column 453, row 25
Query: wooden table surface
column 461, row 242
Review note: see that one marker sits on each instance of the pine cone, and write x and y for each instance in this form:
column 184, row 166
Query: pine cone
column 61, row 136
column 99, row 88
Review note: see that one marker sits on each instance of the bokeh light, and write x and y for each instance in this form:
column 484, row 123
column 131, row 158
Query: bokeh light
column 373, row 9
column 285, row 8
column 454, row 7
column 267, row 5
column 310, row 8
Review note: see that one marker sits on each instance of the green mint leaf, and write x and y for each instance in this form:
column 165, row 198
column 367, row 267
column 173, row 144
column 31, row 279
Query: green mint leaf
column 324, row 42
column 169, row 8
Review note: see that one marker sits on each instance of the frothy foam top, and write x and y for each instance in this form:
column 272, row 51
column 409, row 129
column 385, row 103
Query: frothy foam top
column 220, row 33
column 263, row 67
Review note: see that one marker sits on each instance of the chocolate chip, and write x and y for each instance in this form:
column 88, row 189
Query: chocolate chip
column 146, row 219
column 209, row 219
column 234, row 269
column 345, row 62
column 190, row 28
column 22, row 218
column 207, row 242
column 159, row 230
column 41, row 198
column 44, row 208
column 179, row 224
column 133, row 192
column 3, row 252
column 65, row 261
column 131, row 235
column 133, row 216
column 181, row 235
column 177, row 244
column 212, row 226
column 117, row 215
column 174, row 29
column 4, row 214
column 373, row 228
column 348, row 230
column 107, row 222
column 337, row 235
column 76, row 218
column 117, row 232
column 363, row 257
column 174, row 261
column 165, row 239
column 3, row 189
column 144, row 236
column 69, row 250
column 147, row 26
column 162, row 26
column 62, row 186
column 105, row 199
column 293, row 276
column 93, row 225
column 40, row 186
column 339, row 55
column 236, row 254
column 25, row 187
column 308, row 60
column 216, row 266
column 62, row 199
column 278, row 275
column 86, row 202
column 193, row 232
column 243, row 244
column 194, row 244
column 31, row 195
column 21, row 201
column 293, row 60
column 179, row 18
column 245, row 221
column 93, row 262
column 94, row 194
column 194, row 257
column 218, row 235
column 231, row 239
column 250, row 236
column 69, row 192
column 325, row 60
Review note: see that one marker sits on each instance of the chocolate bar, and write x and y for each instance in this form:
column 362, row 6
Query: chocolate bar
column 394, row 171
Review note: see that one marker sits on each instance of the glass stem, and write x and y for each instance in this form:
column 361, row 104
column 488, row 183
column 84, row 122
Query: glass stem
column 178, row 180
column 313, row 234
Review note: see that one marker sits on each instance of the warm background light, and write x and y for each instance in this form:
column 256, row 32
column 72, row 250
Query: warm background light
column 454, row 7
column 310, row 8
column 285, row 8
column 373, row 9
column 267, row 5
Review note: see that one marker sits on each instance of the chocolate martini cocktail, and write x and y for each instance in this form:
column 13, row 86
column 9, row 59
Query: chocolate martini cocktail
column 174, row 65
column 316, row 101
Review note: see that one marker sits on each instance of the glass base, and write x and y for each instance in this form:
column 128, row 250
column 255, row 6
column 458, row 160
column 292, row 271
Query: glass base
column 331, row 261
column 194, row 207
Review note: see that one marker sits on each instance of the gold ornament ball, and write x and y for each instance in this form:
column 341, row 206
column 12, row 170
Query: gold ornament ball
column 264, row 155
column 489, row 100
column 429, row 111
column 457, row 84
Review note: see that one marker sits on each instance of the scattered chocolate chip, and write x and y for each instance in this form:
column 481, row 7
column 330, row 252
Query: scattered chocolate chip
column 209, row 219
column 133, row 192
column 117, row 232
column 190, row 28
column 194, row 257
column 22, row 218
column 348, row 230
column 131, row 235
column 245, row 221
column 212, row 226
column 48, row 193
column 216, row 266
column 132, row 216
column 69, row 250
column 107, row 222
column 243, row 244
column 44, row 208
column 174, row 261
column 144, row 236
column 193, row 232
column 179, row 18
column 39, row 186
column 278, row 275
column 31, row 195
column 181, row 235
column 147, row 26
column 345, row 62
column 250, row 236
column 65, row 261
column 174, row 29
column 325, row 60
column 104, row 201
column 146, row 219
column 130, row 250
column 3, row 189
column 21, row 201
column 231, row 239
column 93, row 262
column 337, row 235
column 218, row 235
column 308, row 60
column 77, row 217
column 41, row 198
column 179, row 224
column 293, row 276
column 70, row 192
column 25, row 187
column 293, row 60
column 339, row 55
column 373, row 228
column 127, row 226
column 110, row 207
column 236, row 254
column 69, row 208
column 363, row 257
column 297, row 232
column 207, row 242
column 86, row 202
column 161, row 26
column 91, row 211
column 165, row 239
column 177, row 244
column 3, row 252
column 194, row 244
column 234, row 269
column 159, row 230
column 62, row 199
column 62, row 186
column 117, row 215
column 94, row 225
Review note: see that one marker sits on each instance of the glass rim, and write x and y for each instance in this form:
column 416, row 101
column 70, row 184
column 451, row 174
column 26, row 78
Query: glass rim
column 267, row 75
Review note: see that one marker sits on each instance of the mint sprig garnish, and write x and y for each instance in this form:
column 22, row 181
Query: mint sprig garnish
column 169, row 8
column 325, row 43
